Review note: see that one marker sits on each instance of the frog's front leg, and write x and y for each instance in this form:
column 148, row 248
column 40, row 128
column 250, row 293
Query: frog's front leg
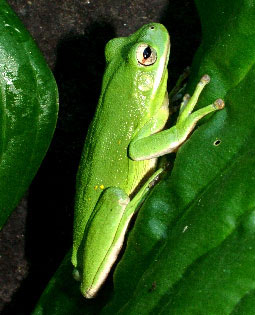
column 167, row 141
column 104, row 235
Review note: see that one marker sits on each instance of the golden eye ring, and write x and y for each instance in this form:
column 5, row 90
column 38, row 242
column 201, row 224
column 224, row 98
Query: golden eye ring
column 146, row 55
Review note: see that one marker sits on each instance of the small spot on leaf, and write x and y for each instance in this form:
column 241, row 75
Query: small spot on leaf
column 217, row 142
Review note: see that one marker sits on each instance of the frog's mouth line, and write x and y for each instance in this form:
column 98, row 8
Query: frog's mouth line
column 167, row 51
column 162, row 67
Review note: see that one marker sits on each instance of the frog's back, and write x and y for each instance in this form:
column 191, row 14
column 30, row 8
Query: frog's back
column 108, row 141
column 115, row 123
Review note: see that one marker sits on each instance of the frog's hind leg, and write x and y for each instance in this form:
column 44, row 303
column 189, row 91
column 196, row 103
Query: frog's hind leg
column 134, row 204
column 105, row 233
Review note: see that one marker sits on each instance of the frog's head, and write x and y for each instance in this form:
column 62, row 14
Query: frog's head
column 140, row 61
column 150, row 54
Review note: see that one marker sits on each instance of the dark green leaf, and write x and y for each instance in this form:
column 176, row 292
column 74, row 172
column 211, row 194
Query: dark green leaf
column 246, row 305
column 28, row 109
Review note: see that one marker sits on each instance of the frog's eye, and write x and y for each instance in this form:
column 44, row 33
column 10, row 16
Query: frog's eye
column 146, row 55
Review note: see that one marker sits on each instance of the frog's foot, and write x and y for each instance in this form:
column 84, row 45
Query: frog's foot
column 187, row 119
column 134, row 204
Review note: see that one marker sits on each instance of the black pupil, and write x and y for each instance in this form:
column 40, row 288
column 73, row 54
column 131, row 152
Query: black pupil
column 147, row 52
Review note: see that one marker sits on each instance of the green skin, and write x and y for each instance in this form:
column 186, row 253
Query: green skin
column 122, row 147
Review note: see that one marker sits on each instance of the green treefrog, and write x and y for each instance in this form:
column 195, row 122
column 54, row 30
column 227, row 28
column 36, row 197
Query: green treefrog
column 123, row 143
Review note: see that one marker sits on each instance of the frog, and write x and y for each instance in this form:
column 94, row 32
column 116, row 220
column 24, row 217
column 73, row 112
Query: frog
column 125, row 139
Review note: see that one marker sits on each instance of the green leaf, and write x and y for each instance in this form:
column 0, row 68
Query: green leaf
column 246, row 305
column 191, row 250
column 28, row 109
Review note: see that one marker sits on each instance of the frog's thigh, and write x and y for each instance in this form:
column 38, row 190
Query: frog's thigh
column 100, row 248
column 104, row 221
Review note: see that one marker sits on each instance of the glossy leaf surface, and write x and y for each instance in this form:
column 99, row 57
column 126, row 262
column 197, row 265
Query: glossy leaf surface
column 28, row 109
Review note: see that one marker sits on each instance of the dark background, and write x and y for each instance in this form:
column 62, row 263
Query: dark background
column 71, row 35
